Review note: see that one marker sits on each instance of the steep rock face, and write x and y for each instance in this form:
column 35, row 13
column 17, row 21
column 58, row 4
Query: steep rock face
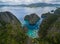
column 50, row 28
column 8, row 17
column 46, row 23
column 32, row 18
column 49, row 19
column 53, row 32
column 10, row 30
column 57, row 11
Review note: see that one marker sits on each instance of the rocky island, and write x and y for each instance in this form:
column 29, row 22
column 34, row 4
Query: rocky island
column 32, row 18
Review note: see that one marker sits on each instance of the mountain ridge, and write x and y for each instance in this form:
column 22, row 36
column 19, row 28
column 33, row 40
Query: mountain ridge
column 31, row 5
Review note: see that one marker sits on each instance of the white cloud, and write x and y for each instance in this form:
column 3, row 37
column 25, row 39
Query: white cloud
column 28, row 1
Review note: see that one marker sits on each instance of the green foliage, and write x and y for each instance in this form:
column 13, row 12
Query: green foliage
column 10, row 29
column 11, row 35
column 46, row 24
column 49, row 32
column 57, row 11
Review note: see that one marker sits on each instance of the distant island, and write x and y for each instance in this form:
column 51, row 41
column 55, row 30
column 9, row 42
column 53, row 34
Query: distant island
column 40, row 5
column 32, row 5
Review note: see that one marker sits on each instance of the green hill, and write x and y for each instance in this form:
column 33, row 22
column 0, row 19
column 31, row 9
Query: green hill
column 49, row 32
column 10, row 29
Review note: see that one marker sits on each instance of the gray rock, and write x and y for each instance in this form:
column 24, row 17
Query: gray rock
column 10, row 28
column 32, row 18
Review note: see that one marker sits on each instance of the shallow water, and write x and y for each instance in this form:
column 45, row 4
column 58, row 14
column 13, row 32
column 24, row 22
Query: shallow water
column 20, row 12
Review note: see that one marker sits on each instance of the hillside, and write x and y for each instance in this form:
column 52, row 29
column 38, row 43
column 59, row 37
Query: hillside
column 10, row 29
column 50, row 28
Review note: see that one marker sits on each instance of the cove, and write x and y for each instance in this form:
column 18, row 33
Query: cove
column 33, row 29
column 20, row 12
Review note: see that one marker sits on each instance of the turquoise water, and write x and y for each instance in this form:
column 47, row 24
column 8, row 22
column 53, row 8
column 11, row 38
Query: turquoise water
column 20, row 13
column 33, row 30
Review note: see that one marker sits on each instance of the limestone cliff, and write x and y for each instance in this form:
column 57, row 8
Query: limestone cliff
column 50, row 28
column 10, row 29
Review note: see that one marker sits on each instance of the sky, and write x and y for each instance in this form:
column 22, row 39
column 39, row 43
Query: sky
column 30, row 1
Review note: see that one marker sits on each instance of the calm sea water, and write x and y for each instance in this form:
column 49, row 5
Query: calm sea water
column 20, row 12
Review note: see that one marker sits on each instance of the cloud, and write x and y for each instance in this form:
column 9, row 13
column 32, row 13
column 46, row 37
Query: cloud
column 29, row 1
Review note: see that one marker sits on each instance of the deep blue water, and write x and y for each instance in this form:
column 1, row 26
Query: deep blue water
column 20, row 12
